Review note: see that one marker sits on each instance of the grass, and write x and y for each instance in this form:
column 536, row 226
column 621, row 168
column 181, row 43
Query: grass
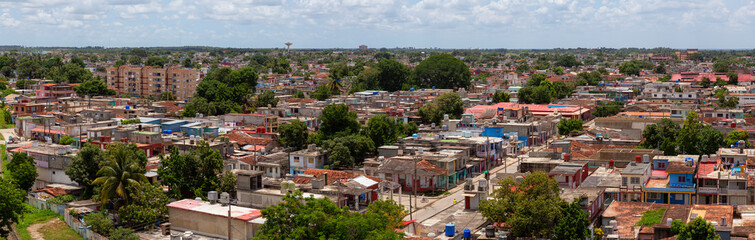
column 6, row 126
column 58, row 231
column 651, row 217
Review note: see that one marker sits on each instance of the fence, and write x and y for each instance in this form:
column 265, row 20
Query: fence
column 73, row 222
column 83, row 230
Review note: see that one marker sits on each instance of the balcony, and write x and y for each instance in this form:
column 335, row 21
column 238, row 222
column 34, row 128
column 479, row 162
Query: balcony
column 707, row 190
column 733, row 191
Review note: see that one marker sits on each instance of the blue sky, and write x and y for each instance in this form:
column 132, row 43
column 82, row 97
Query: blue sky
column 705, row 24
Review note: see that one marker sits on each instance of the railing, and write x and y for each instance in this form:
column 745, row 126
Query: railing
column 707, row 190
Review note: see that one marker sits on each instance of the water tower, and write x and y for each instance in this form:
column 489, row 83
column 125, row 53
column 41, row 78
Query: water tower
column 288, row 46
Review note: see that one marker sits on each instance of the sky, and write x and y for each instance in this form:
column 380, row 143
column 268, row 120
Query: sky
column 512, row 24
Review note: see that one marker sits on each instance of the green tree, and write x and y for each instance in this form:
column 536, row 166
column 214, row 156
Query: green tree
column 443, row 71
column 589, row 78
column 530, row 208
column 119, row 63
column 541, row 95
column 267, row 98
column 392, row 74
column 94, row 87
column 84, row 166
column 430, row 113
column 297, row 217
column 567, row 126
column 221, row 91
column 609, row 109
column 228, row 183
column 293, row 134
column 698, row 138
column 11, row 205
column 148, row 204
column 521, row 68
column 135, row 60
column 661, row 136
column 29, row 69
column 358, row 147
column 122, row 233
column 22, row 170
column 720, row 82
column 340, row 157
column 501, row 97
column 368, row 80
column 567, row 61
column 705, row 82
column 335, row 86
column 100, row 222
column 337, row 120
column 451, row 104
column 66, row 140
column 558, row 70
column 561, row 90
column 187, row 63
column 384, row 130
column 573, row 224
column 698, row 229
column 191, row 174
column 298, row 94
column 536, row 79
column 721, row 66
column 321, row 93
column 733, row 78
column 629, row 69
column 735, row 136
column 155, row 61
column 660, row 69
column 122, row 166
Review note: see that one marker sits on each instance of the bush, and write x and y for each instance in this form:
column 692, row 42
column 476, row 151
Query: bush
column 121, row 233
column 100, row 222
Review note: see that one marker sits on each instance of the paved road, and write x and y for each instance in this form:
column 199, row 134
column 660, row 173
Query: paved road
column 446, row 202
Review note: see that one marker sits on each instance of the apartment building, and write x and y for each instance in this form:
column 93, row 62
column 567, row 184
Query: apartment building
column 148, row 81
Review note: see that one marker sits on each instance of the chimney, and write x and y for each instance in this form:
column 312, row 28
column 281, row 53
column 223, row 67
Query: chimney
column 567, row 157
column 638, row 159
column 610, row 163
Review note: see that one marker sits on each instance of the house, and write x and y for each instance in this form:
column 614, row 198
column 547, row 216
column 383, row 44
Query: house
column 400, row 170
column 311, row 157
column 676, row 186
column 273, row 165
column 569, row 174
column 719, row 184
column 202, row 218
column 633, row 177
column 51, row 161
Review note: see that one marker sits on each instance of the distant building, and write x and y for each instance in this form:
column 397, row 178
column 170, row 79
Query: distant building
column 362, row 47
column 151, row 82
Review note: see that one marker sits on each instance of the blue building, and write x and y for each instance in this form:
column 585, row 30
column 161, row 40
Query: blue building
column 493, row 131
column 173, row 126
column 677, row 187
column 199, row 129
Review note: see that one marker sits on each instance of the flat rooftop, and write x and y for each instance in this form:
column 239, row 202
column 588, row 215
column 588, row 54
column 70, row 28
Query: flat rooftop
column 218, row 210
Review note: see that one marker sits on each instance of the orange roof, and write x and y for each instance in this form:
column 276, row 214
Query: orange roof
column 333, row 175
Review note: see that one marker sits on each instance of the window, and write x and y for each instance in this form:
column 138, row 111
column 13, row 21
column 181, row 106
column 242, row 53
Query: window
column 311, row 160
column 661, row 165
column 296, row 159
column 624, row 181
column 682, row 179
column 654, row 195
column 635, row 180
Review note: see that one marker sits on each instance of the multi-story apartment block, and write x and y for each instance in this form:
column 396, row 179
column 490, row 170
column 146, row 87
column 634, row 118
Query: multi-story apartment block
column 149, row 81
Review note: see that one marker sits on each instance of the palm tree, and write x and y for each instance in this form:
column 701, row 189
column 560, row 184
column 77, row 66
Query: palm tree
column 335, row 86
column 120, row 169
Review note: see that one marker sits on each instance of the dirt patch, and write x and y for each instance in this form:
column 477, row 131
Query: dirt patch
column 58, row 230
column 34, row 228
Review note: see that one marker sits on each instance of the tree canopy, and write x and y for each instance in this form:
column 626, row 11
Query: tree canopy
column 23, row 171
column 501, row 97
column 293, row 134
column 443, row 71
column 11, row 205
column 337, row 120
column 94, row 87
column 191, row 174
column 448, row 103
column 221, row 91
column 84, row 166
column 392, row 74
column 567, row 126
column 298, row 217
column 693, row 137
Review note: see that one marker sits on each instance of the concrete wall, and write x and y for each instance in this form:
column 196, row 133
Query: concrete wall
column 210, row 225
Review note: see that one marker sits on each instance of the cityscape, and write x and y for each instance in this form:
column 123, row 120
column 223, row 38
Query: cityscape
column 376, row 120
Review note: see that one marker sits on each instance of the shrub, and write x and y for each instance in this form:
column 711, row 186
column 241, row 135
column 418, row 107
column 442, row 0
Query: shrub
column 100, row 222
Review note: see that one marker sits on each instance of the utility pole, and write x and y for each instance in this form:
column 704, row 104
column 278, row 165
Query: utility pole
column 229, row 220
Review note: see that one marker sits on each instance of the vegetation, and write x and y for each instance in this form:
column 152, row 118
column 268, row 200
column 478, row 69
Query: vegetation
column 609, row 109
column 574, row 223
column 11, row 204
column 22, row 170
column 298, row 217
column 442, row 71
column 100, row 222
column 533, row 208
column 148, row 204
column 698, row 229
column 66, row 140
column 84, row 167
column 736, row 136
column 33, row 216
column 570, row 125
column 221, row 91
column 121, row 233
column 693, row 137
column 122, row 166
column 384, row 130
column 265, row 99
column 294, row 134
column 94, row 87
column 192, row 174
column 651, row 217
column 448, row 103
column 501, row 97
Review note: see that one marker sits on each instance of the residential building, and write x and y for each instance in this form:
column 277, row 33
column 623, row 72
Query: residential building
column 151, row 82
column 311, row 157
